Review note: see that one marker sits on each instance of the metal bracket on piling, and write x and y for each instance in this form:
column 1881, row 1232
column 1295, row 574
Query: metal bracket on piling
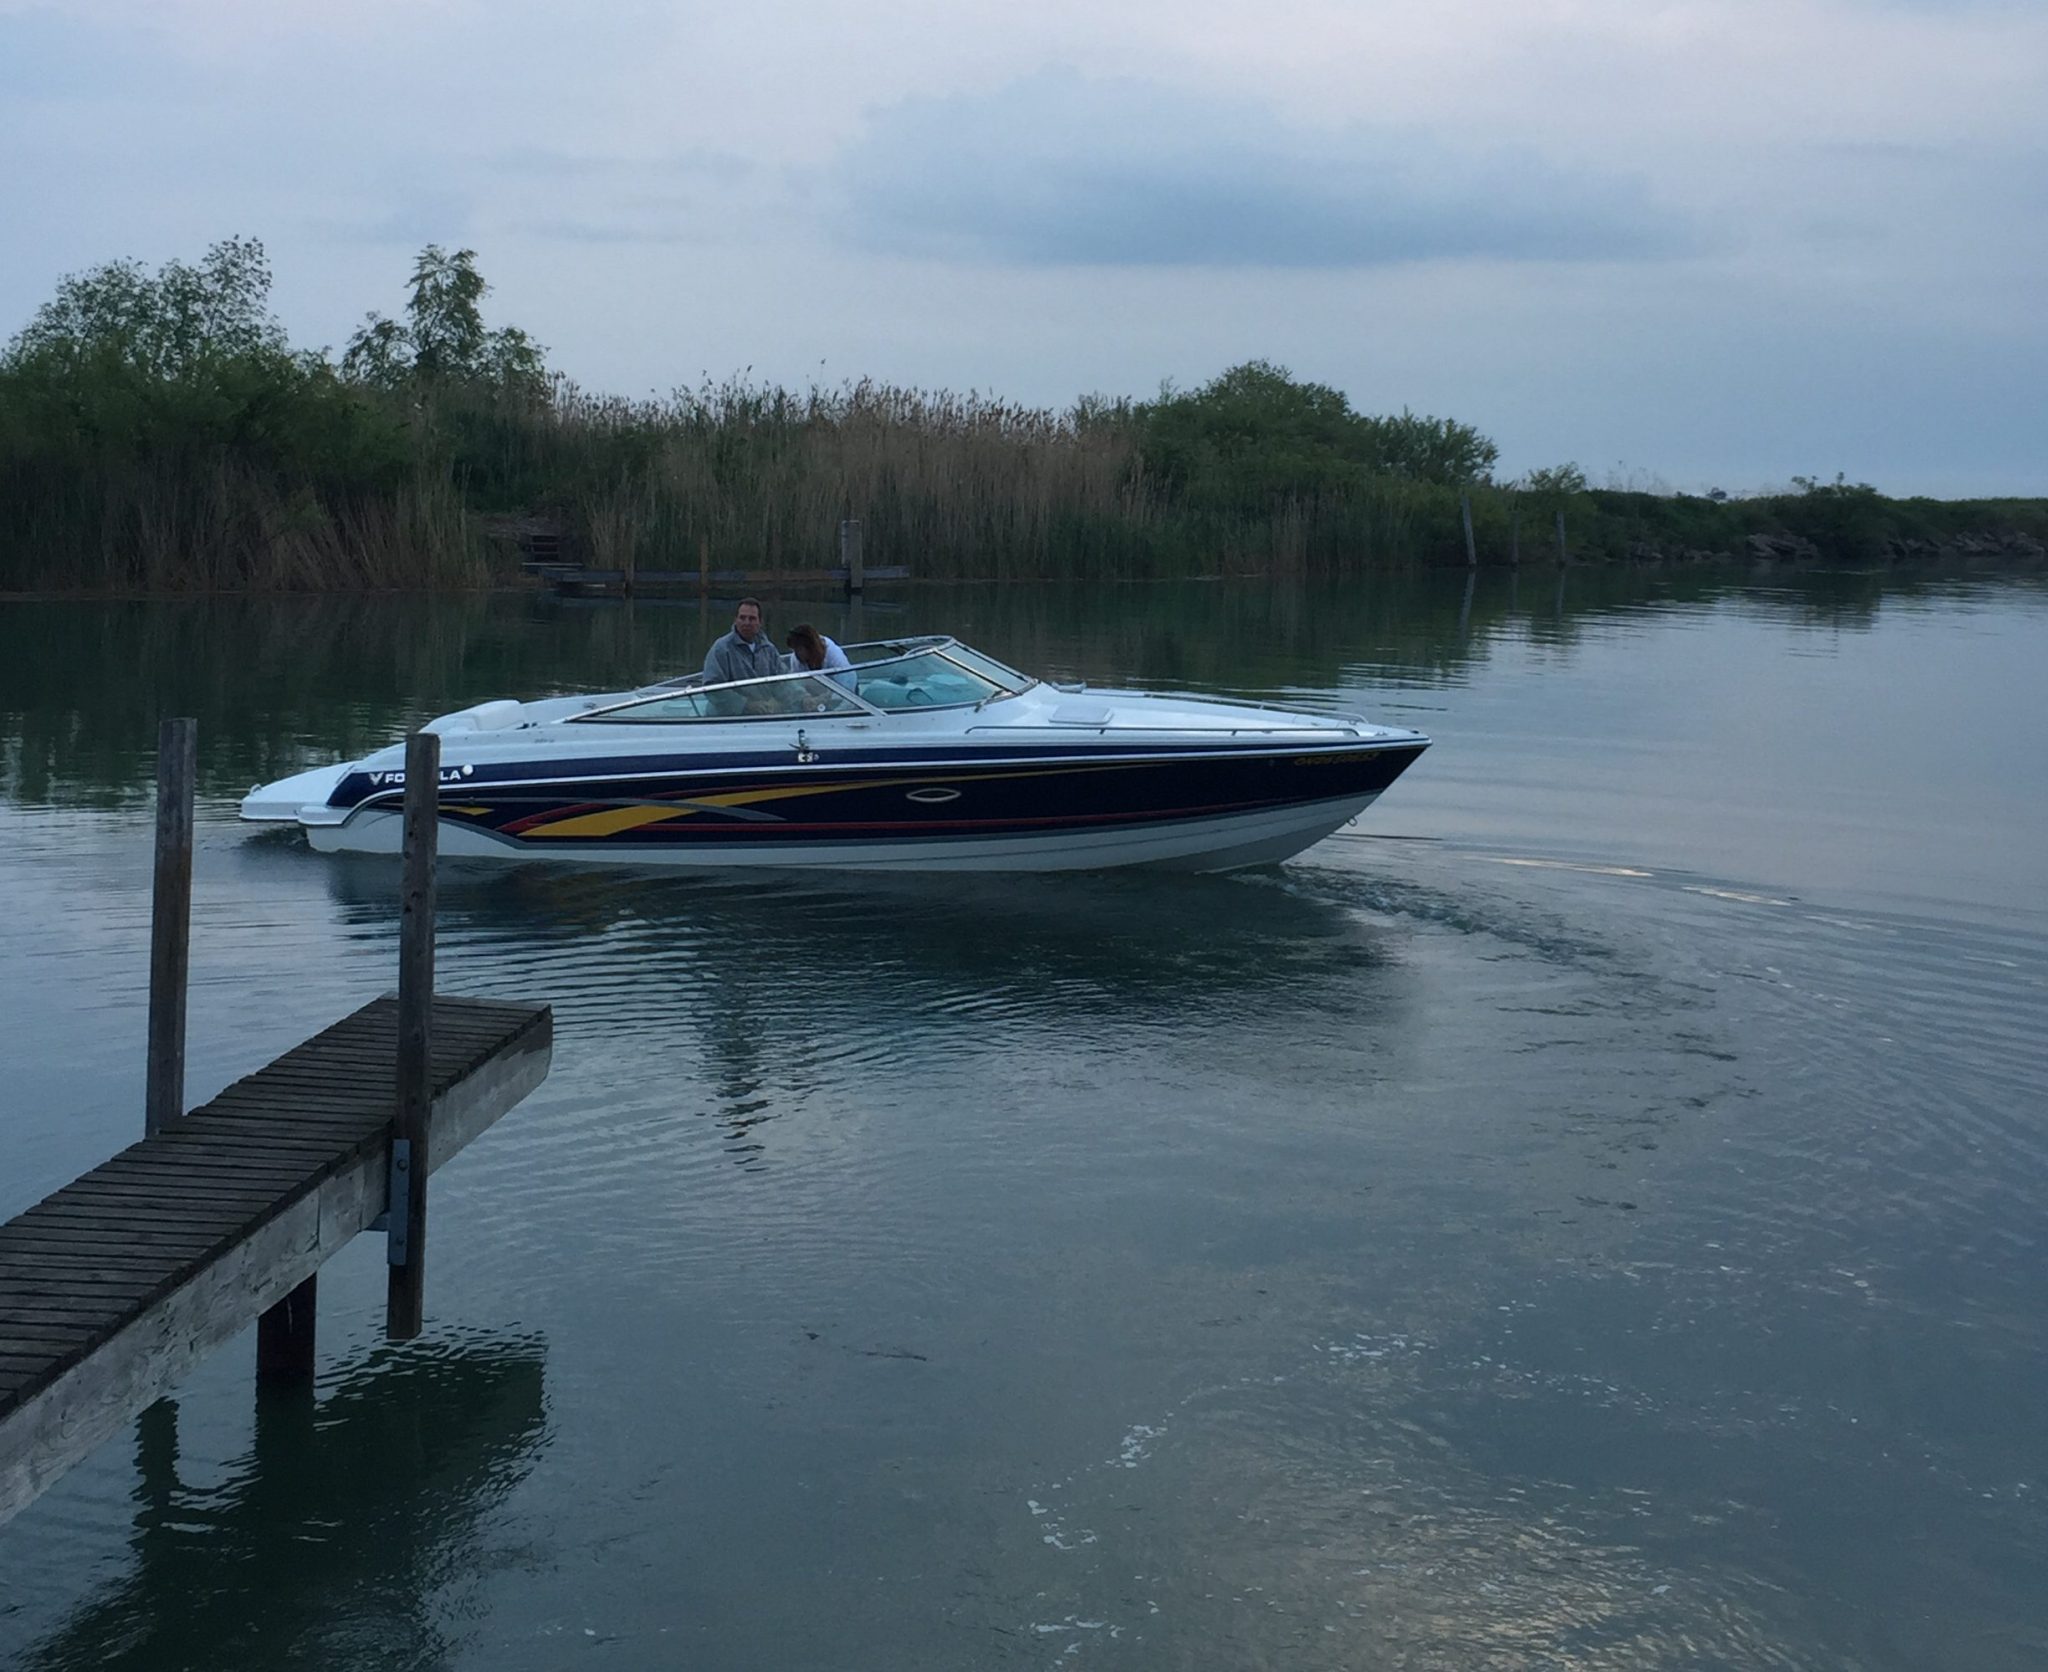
column 397, row 1250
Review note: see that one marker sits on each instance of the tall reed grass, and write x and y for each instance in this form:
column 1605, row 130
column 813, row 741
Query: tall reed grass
column 310, row 484
column 956, row 486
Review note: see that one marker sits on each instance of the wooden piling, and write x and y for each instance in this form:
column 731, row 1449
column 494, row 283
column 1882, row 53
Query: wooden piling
column 703, row 568
column 1465, row 511
column 285, row 1338
column 170, row 929
column 1562, row 559
column 156, row 1462
column 850, row 557
column 404, row 1306
column 1515, row 534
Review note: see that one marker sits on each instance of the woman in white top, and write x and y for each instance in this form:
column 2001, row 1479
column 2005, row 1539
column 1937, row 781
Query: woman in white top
column 811, row 650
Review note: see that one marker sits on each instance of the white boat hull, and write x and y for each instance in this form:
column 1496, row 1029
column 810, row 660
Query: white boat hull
column 926, row 756
column 1224, row 843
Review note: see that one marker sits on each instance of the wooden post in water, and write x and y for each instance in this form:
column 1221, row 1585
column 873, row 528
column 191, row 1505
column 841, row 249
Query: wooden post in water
column 1465, row 511
column 404, row 1303
column 156, row 1463
column 851, row 558
column 170, row 927
column 1515, row 534
column 1561, row 558
column 285, row 1338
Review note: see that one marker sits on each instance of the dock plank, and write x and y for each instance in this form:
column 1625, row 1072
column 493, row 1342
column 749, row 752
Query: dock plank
column 65, row 1262
column 173, row 1185
column 300, row 1119
column 60, row 1217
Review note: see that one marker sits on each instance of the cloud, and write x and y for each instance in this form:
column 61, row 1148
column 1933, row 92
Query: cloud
column 45, row 56
column 1059, row 169
column 420, row 216
column 570, row 230
column 528, row 163
column 678, row 197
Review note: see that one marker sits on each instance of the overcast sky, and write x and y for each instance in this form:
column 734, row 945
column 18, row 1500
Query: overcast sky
column 1701, row 243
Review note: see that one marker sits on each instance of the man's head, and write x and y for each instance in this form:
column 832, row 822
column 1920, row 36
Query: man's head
column 746, row 619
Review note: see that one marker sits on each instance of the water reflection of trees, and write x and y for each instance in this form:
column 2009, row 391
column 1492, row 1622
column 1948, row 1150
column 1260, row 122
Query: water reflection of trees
column 275, row 683
column 1397, row 627
column 326, row 1543
column 279, row 683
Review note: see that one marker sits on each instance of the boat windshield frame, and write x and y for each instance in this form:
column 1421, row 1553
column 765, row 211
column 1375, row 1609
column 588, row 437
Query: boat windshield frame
column 843, row 703
column 835, row 702
column 874, row 654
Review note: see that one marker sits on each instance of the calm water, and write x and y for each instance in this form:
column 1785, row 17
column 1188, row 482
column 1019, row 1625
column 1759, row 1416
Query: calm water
column 1595, row 1215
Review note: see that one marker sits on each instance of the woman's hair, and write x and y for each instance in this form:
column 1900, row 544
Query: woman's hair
column 804, row 637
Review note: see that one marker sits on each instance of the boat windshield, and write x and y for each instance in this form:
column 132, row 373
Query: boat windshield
column 889, row 674
column 989, row 668
column 932, row 679
column 932, row 672
column 780, row 696
column 884, row 650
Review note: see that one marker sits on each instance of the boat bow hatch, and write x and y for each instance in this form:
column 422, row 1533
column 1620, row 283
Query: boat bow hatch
column 1081, row 714
column 484, row 716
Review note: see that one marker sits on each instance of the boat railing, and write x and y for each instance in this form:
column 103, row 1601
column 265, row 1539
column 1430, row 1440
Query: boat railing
column 1208, row 699
column 1345, row 729
column 1211, row 701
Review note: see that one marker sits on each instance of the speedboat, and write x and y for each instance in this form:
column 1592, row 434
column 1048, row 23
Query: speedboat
column 922, row 755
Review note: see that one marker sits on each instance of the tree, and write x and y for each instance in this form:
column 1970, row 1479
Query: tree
column 1255, row 433
column 167, row 325
column 1423, row 449
column 442, row 338
column 1553, row 481
column 1250, row 436
column 1844, row 518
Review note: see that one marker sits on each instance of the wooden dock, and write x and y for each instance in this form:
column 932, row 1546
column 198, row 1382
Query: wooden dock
column 114, row 1286
column 576, row 582
column 575, row 579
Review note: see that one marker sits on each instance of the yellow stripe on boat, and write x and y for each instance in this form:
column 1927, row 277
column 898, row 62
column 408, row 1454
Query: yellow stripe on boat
column 607, row 823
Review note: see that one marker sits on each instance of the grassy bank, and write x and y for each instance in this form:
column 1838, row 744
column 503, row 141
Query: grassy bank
column 158, row 433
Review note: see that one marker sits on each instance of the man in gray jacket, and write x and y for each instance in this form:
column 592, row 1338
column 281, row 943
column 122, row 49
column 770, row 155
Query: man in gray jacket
column 744, row 653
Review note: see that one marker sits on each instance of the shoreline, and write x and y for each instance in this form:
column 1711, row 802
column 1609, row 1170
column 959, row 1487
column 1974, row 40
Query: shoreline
column 1988, row 554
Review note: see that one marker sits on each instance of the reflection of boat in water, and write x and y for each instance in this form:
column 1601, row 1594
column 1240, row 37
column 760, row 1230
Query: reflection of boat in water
column 1062, row 949
column 767, row 1002
column 925, row 755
